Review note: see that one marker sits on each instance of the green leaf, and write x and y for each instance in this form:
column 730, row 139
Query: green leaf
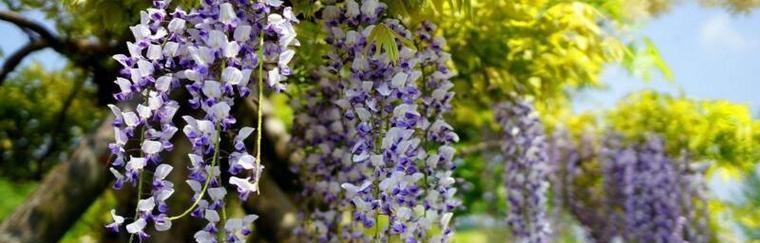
column 654, row 54
column 385, row 39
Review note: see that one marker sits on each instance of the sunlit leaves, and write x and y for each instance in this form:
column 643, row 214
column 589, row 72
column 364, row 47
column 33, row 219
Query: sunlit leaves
column 712, row 130
column 385, row 39
column 641, row 58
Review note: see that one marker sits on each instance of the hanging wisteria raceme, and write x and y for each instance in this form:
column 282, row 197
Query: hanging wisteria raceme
column 643, row 191
column 439, row 200
column 693, row 198
column 212, row 52
column 391, row 187
column 653, row 211
column 648, row 196
column 573, row 161
column 320, row 128
column 617, row 166
column 525, row 172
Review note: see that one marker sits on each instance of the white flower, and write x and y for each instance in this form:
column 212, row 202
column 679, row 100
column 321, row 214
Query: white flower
column 204, row 237
column 134, row 50
column 116, row 218
column 404, row 213
column 194, row 185
column 170, row 49
column 144, row 112
column 285, row 57
column 220, row 110
column 274, row 3
column 226, row 13
column 163, row 83
column 162, row 171
column 121, row 136
column 231, row 49
column 369, row 7
column 195, row 160
column 165, row 193
column 146, row 205
column 136, row 226
column 352, row 8
column 135, row 163
column 217, row 193
column 351, row 190
column 232, row 75
column 274, row 77
column 162, row 223
column 211, row 216
column 398, row 80
column 115, row 110
column 124, row 85
column 204, row 55
column 243, row 184
column 445, row 219
column 151, row 147
column 140, row 31
column 247, row 161
column 145, row 68
column 116, row 173
column 154, row 52
column 242, row 33
column 177, row 25
column 383, row 89
column 212, row 89
column 244, row 133
column 217, row 39
column 363, row 114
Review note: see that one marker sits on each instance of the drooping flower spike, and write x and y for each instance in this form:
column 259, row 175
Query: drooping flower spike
column 525, row 172
column 365, row 127
column 212, row 52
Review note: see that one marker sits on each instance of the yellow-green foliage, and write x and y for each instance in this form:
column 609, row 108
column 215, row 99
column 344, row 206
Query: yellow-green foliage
column 711, row 130
column 30, row 105
column 531, row 47
column 535, row 48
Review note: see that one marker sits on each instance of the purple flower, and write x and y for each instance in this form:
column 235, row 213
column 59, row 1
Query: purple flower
column 211, row 51
column 525, row 173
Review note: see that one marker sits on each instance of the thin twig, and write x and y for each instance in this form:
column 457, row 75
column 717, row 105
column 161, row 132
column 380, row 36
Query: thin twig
column 15, row 59
column 479, row 147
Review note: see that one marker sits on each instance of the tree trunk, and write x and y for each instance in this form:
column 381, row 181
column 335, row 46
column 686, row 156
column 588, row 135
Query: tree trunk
column 64, row 195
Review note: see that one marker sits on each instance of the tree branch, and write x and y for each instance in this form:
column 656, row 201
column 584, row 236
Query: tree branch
column 65, row 193
column 15, row 59
column 479, row 147
column 25, row 23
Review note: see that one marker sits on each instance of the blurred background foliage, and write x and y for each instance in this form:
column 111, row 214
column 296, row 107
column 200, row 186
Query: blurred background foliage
column 546, row 50
column 44, row 113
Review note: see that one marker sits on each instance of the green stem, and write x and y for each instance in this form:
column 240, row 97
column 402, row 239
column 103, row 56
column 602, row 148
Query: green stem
column 259, row 108
column 208, row 178
column 139, row 180
column 139, row 196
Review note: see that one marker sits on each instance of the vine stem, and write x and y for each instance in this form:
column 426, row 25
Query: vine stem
column 258, row 110
column 139, row 180
column 208, row 178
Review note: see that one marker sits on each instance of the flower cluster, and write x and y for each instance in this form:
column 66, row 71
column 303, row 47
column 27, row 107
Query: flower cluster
column 367, row 127
column 693, row 198
column 572, row 162
column 212, row 52
column 526, row 170
column 648, row 196
column 653, row 210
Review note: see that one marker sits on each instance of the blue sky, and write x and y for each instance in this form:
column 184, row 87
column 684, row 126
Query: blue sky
column 14, row 38
column 713, row 55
